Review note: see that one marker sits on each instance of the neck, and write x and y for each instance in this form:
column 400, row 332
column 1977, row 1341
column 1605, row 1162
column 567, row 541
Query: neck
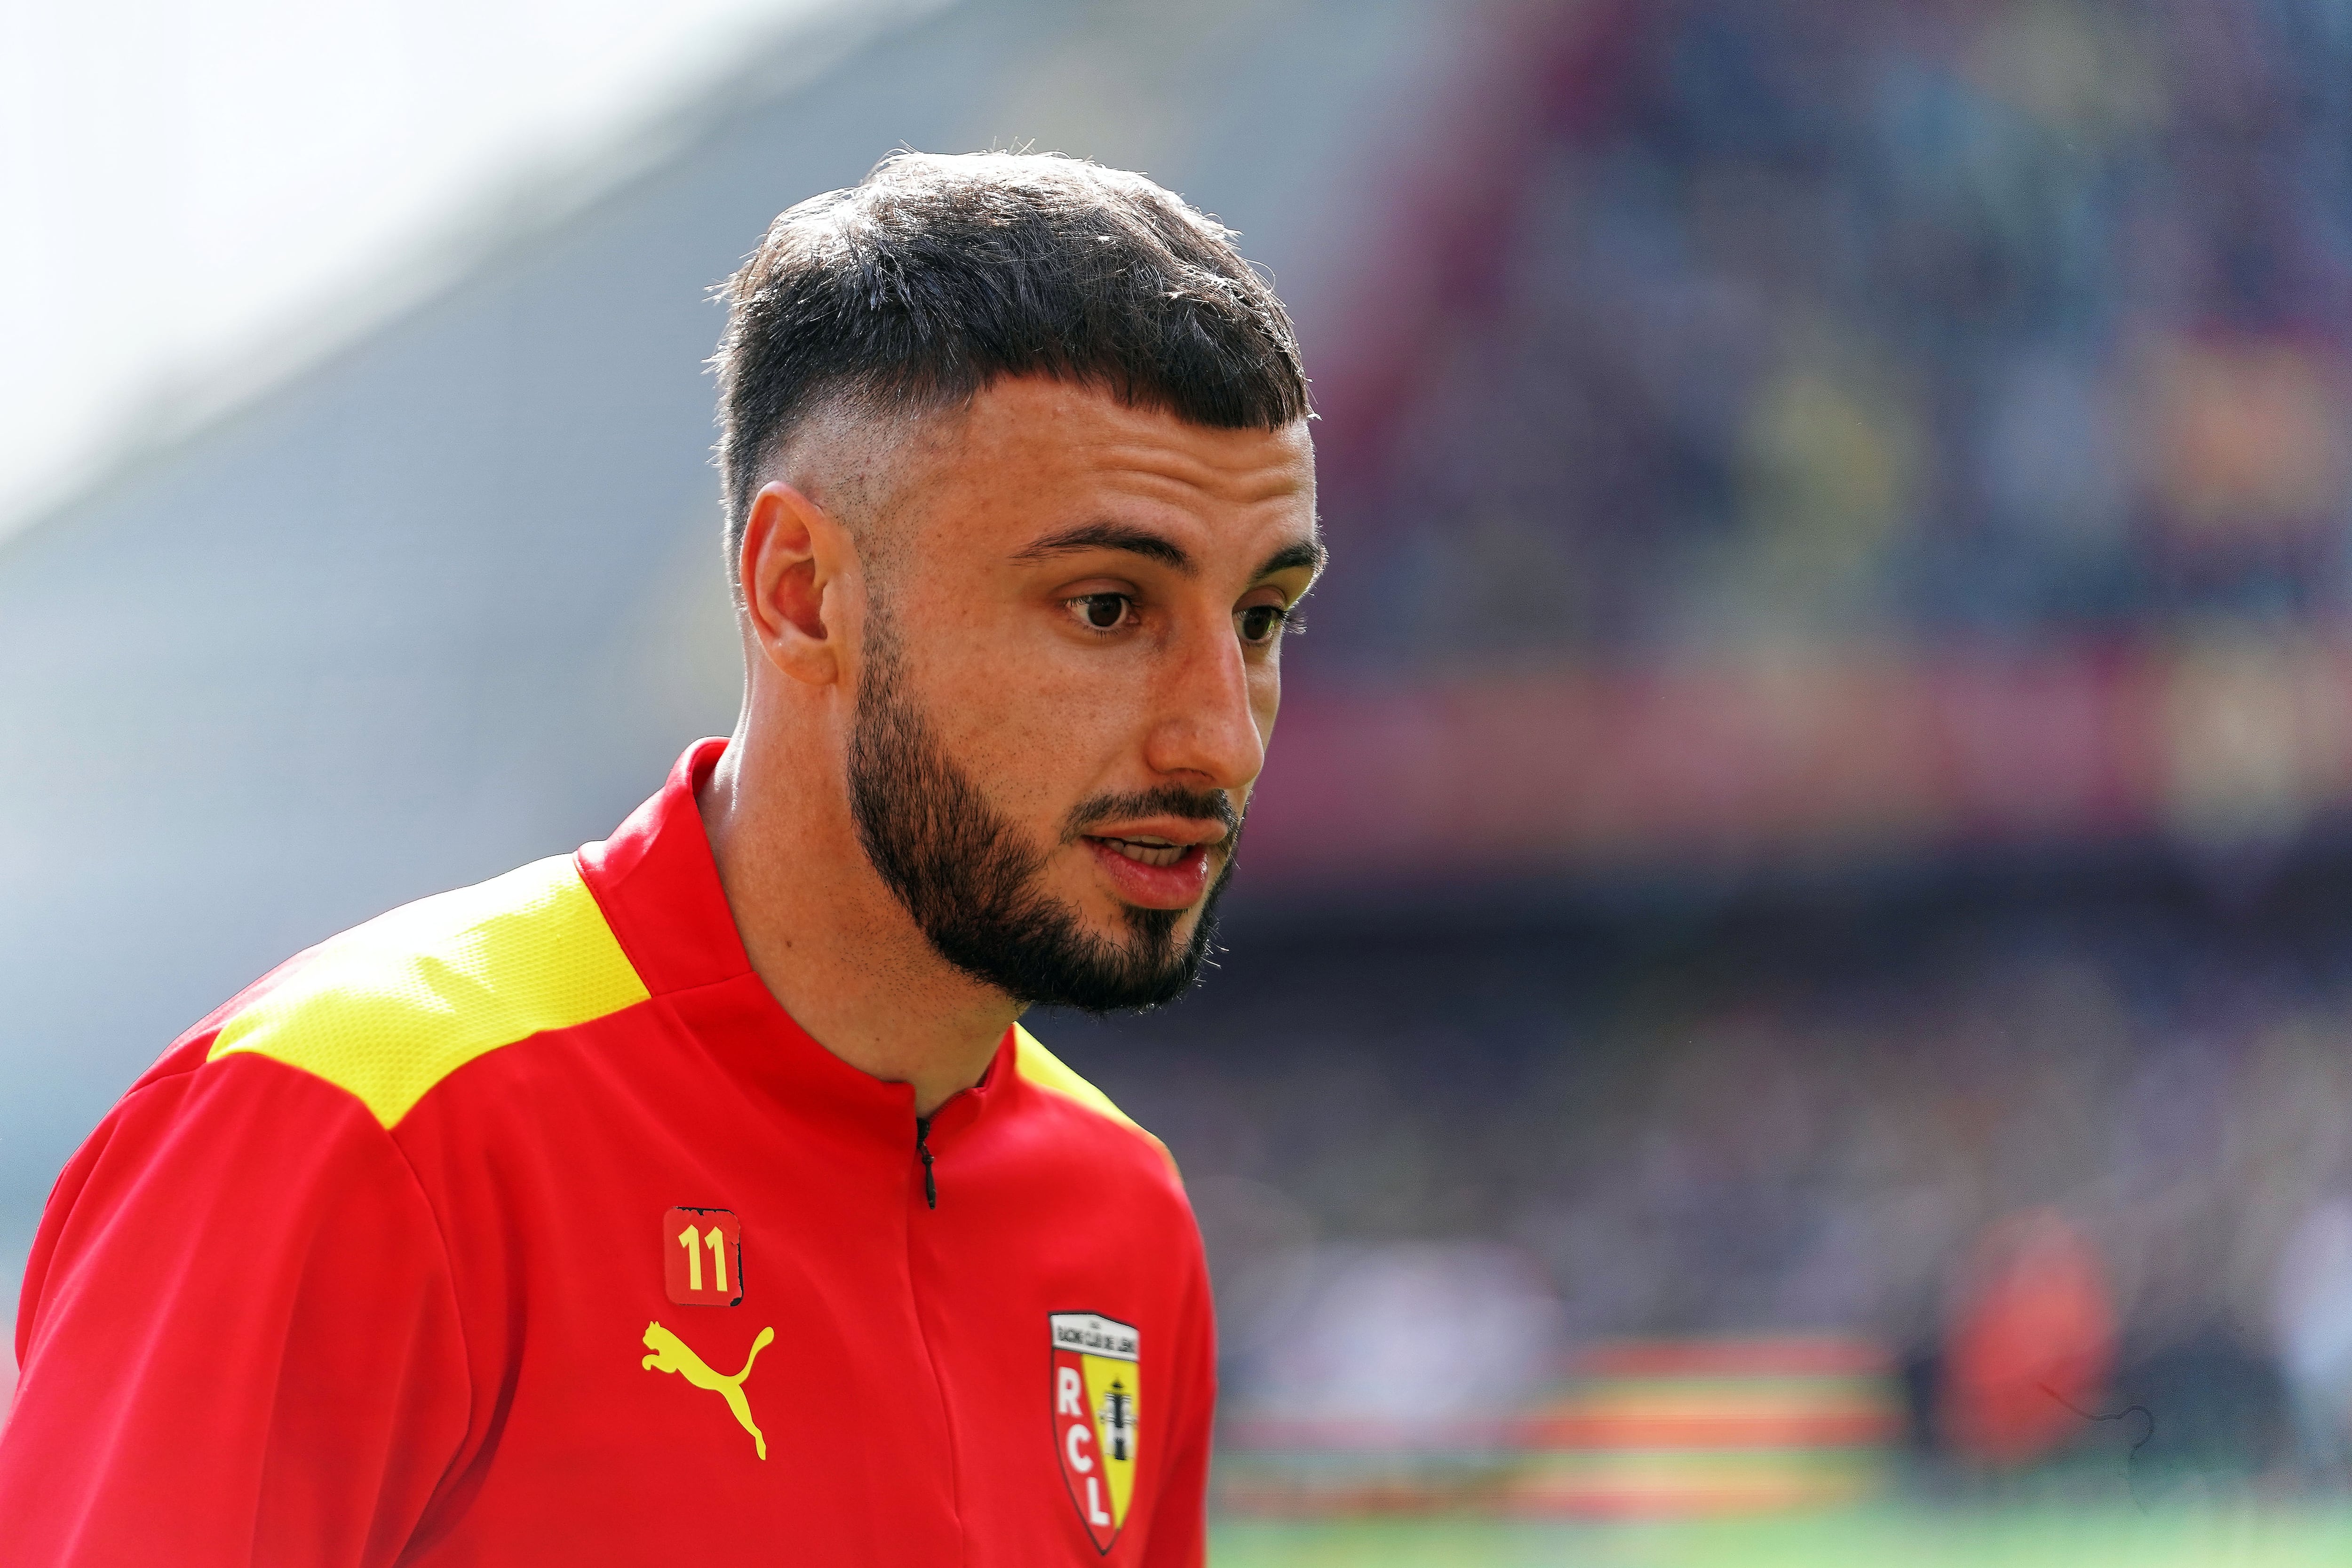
column 836, row 950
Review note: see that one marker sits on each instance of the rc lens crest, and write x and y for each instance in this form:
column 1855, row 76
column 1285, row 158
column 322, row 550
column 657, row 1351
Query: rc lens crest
column 1095, row 1423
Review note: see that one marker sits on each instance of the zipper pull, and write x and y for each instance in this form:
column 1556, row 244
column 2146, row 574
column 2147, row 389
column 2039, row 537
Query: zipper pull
column 923, row 1151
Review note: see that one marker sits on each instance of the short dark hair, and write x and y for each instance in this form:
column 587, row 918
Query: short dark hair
column 921, row 286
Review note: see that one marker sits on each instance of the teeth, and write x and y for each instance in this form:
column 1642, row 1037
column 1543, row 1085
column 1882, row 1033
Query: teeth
column 1149, row 852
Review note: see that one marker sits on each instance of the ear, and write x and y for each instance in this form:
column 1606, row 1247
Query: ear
column 797, row 567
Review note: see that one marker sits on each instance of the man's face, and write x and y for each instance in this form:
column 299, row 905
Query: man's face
column 1070, row 671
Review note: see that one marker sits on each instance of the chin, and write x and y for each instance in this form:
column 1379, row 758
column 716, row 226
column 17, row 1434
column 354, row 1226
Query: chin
column 1186, row 920
column 1118, row 922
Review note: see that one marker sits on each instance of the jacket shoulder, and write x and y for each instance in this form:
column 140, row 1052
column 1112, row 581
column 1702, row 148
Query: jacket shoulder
column 390, row 1008
column 1040, row 1068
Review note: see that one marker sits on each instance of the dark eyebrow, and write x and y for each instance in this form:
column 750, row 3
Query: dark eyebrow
column 1109, row 536
column 1308, row 553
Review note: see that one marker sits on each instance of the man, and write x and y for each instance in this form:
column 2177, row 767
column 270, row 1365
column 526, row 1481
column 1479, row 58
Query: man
column 697, row 1197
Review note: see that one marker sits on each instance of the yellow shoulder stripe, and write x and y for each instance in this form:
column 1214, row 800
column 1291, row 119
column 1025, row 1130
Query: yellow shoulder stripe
column 1048, row 1071
column 390, row 1008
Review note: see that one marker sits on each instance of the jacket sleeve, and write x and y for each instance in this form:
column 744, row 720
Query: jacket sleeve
column 1180, row 1520
column 237, row 1340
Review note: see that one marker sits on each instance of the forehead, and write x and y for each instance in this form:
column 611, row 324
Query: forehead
column 1029, row 450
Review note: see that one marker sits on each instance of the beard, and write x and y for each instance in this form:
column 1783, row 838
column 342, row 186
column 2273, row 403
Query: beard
column 974, row 883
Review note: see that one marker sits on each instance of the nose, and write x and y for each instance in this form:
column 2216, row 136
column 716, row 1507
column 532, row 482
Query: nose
column 1206, row 733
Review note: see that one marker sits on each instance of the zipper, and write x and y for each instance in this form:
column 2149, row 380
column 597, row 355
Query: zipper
column 918, row 1255
column 923, row 1153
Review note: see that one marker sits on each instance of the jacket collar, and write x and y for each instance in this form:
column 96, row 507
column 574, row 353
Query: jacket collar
column 658, row 887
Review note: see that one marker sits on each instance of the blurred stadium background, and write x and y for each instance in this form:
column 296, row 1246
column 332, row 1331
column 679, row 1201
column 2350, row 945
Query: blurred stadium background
column 1790, row 991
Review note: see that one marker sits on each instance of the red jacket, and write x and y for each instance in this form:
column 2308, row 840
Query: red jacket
column 521, row 1225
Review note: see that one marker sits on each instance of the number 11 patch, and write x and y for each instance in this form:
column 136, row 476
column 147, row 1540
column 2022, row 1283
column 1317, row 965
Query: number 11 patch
column 702, row 1257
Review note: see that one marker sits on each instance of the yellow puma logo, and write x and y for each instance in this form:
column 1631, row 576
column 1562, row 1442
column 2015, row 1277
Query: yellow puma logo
column 672, row 1354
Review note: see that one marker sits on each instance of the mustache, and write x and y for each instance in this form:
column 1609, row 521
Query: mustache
column 1168, row 800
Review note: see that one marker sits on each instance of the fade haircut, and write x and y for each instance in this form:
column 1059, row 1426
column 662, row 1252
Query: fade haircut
column 920, row 287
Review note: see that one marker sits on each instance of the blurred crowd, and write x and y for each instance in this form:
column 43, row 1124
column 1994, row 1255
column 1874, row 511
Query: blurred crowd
column 1845, row 320
column 1874, row 353
column 2052, row 1156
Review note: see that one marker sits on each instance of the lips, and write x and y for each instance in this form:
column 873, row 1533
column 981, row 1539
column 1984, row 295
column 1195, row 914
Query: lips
column 1153, row 873
column 1147, row 851
column 1159, row 849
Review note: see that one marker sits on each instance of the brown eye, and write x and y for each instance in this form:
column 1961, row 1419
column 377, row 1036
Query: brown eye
column 1260, row 623
column 1103, row 612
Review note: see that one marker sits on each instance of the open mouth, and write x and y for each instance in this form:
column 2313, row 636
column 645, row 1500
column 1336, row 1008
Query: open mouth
column 1147, row 851
column 1169, row 870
